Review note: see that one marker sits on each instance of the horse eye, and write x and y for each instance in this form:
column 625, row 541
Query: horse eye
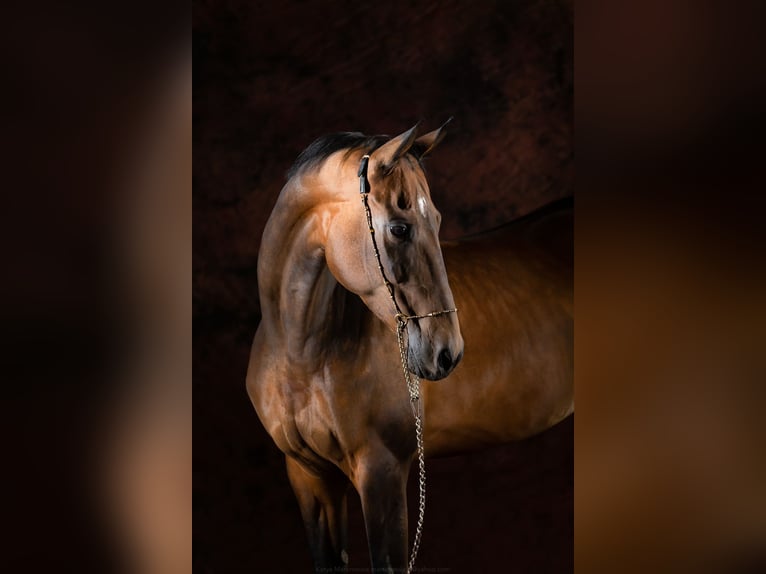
column 399, row 230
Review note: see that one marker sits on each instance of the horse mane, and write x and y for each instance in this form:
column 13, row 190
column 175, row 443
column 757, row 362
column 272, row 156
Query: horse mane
column 323, row 147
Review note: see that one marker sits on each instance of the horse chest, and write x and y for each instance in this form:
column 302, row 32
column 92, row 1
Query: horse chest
column 326, row 414
column 316, row 422
column 313, row 417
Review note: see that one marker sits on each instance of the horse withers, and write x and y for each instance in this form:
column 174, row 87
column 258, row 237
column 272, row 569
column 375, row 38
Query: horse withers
column 325, row 372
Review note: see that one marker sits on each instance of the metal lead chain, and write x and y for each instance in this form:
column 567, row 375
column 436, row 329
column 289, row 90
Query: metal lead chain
column 413, row 386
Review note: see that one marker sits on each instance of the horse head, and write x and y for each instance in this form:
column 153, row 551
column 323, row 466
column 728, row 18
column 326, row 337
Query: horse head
column 406, row 226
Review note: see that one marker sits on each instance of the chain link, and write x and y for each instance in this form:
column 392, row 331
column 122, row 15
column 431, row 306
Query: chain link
column 412, row 380
column 413, row 386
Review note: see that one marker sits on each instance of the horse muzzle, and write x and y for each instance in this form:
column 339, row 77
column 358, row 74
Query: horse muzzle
column 436, row 362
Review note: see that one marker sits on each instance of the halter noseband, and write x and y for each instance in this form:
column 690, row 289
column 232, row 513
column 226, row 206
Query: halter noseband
column 413, row 382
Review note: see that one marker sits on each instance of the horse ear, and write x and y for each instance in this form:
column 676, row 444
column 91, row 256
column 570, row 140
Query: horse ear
column 429, row 141
column 390, row 152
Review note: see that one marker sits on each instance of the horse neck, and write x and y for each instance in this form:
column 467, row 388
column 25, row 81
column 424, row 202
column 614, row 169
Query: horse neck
column 303, row 306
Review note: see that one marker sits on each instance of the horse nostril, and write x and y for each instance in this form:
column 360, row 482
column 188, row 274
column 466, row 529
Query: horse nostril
column 445, row 360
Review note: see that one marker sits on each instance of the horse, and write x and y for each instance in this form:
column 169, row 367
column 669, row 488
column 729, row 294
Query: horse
column 325, row 373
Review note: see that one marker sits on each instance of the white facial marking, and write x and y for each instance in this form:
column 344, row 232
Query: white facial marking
column 422, row 204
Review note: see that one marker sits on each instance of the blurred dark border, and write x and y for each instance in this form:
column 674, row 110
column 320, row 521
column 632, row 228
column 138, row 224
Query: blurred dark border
column 669, row 467
column 80, row 84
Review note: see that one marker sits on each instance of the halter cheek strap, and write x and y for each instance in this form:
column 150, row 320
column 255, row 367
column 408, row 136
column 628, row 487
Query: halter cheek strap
column 413, row 382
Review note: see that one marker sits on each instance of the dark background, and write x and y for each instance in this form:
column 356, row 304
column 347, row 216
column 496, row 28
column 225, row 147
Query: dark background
column 269, row 78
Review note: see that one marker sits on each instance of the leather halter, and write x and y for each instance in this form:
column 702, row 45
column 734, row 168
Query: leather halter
column 364, row 191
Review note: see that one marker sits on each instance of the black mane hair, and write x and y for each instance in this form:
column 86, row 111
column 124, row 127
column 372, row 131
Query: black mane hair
column 323, row 147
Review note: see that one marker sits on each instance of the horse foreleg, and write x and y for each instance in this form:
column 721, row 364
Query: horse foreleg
column 381, row 481
column 323, row 502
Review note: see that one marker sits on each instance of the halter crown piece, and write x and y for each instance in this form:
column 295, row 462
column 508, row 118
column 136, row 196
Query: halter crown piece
column 413, row 382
